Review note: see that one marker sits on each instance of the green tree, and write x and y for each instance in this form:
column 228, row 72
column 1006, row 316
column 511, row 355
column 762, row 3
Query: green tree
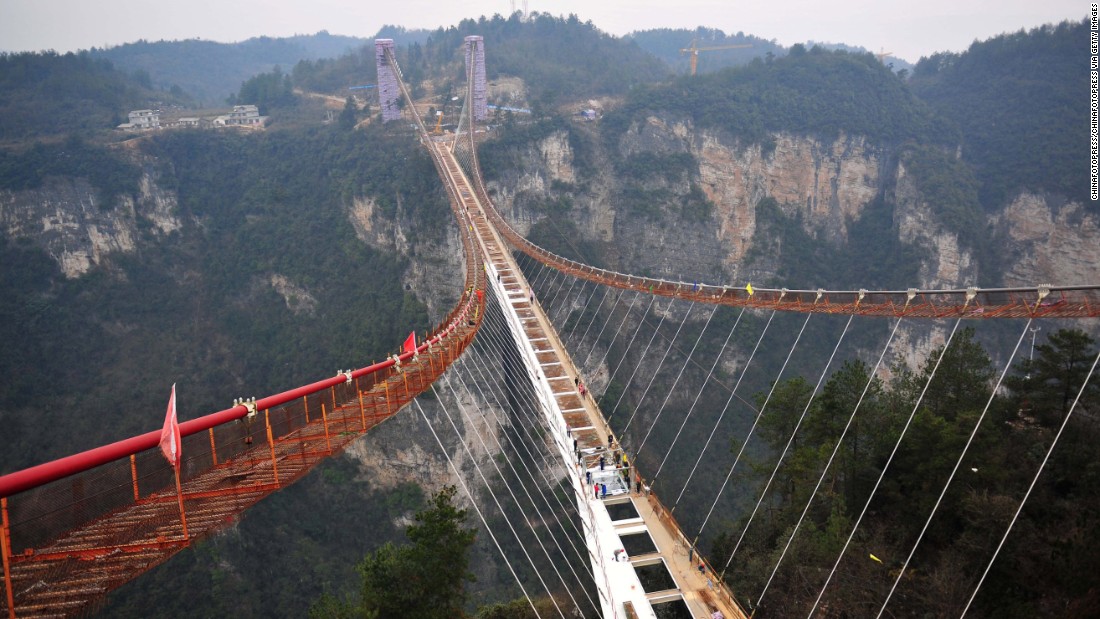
column 266, row 90
column 854, row 468
column 1050, row 383
column 350, row 114
column 517, row 609
column 425, row 579
column 784, row 410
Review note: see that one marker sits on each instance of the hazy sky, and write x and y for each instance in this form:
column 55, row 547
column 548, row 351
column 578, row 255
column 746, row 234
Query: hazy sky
column 909, row 29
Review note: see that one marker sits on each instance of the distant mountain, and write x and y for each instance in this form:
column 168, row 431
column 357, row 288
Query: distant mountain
column 211, row 71
column 558, row 59
column 890, row 60
column 666, row 43
column 805, row 92
column 402, row 35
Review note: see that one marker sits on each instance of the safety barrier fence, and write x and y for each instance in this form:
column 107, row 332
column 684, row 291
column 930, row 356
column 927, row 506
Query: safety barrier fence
column 714, row 577
column 1023, row 302
column 127, row 506
column 84, row 524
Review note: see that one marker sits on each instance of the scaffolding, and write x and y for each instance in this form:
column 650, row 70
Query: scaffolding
column 388, row 91
column 475, row 76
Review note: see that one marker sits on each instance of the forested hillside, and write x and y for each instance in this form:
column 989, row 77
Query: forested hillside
column 210, row 71
column 1016, row 100
column 666, row 43
column 809, row 92
column 559, row 59
column 202, row 306
column 52, row 94
column 974, row 511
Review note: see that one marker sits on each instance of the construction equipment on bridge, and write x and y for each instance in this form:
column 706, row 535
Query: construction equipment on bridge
column 694, row 51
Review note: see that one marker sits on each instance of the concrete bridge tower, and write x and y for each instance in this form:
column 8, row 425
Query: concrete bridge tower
column 475, row 76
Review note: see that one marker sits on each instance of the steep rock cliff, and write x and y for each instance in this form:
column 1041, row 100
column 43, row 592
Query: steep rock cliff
column 435, row 264
column 66, row 218
column 825, row 185
column 1049, row 241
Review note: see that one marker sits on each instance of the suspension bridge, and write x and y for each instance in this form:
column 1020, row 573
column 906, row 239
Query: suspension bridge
column 76, row 528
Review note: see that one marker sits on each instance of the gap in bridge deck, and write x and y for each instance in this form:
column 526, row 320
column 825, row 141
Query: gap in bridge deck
column 638, row 544
column 676, row 609
column 655, row 577
column 622, row 511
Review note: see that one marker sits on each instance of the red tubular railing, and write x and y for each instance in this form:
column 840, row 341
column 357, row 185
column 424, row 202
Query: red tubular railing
column 14, row 483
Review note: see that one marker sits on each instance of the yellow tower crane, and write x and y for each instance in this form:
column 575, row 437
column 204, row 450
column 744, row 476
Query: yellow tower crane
column 694, row 51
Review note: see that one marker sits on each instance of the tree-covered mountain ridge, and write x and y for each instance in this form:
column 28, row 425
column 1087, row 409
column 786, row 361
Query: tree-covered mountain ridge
column 817, row 169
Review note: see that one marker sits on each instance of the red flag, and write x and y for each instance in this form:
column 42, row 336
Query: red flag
column 410, row 342
column 170, row 436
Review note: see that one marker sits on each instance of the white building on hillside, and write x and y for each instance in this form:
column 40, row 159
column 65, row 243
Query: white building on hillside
column 247, row 115
column 141, row 120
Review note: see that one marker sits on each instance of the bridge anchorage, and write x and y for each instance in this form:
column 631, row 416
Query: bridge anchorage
column 76, row 528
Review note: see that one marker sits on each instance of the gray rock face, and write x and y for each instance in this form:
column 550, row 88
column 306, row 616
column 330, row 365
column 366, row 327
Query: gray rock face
column 65, row 218
column 826, row 184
